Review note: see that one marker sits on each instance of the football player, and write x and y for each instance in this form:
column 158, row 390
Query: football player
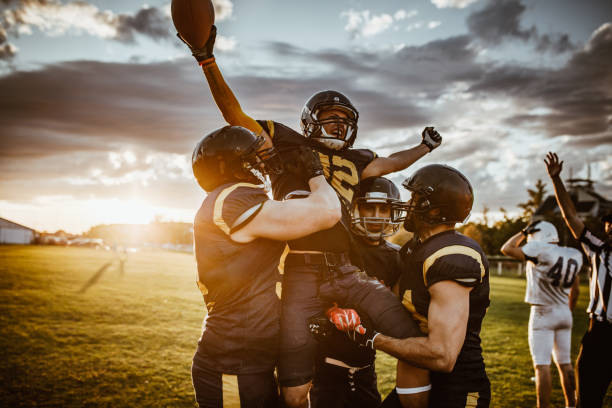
column 318, row 269
column 345, row 374
column 552, row 292
column 594, row 363
column 239, row 235
column 445, row 283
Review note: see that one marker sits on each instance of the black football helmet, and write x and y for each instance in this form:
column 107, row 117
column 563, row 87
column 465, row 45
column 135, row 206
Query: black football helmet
column 438, row 187
column 372, row 191
column 313, row 127
column 232, row 153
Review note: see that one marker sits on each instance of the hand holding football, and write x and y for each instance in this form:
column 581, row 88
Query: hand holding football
column 193, row 20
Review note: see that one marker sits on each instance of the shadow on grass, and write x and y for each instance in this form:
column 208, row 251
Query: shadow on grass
column 95, row 278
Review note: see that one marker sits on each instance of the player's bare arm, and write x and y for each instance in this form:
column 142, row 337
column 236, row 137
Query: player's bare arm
column 447, row 322
column 224, row 97
column 554, row 168
column 574, row 292
column 400, row 160
column 292, row 219
column 511, row 247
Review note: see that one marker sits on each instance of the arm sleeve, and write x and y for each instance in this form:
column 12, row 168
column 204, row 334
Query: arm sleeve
column 531, row 250
column 461, row 264
column 237, row 205
column 590, row 243
column 226, row 100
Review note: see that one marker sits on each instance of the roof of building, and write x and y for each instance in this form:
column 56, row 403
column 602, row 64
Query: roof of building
column 7, row 223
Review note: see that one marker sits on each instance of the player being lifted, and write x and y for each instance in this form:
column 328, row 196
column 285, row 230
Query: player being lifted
column 345, row 374
column 239, row 235
column 552, row 292
column 317, row 269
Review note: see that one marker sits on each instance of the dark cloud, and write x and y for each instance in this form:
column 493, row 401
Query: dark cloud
column 579, row 94
column 148, row 21
column 501, row 20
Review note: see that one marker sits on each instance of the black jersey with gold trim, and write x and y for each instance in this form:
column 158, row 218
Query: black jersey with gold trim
column 380, row 261
column 342, row 170
column 450, row 256
column 238, row 282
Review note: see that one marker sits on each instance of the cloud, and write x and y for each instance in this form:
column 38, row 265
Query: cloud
column 500, row 20
column 364, row 24
column 452, row 3
column 55, row 18
column 578, row 95
column 224, row 9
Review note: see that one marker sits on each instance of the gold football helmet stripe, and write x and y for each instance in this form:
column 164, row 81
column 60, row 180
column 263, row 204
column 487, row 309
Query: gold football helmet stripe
column 453, row 250
column 270, row 124
column 231, row 393
column 218, row 209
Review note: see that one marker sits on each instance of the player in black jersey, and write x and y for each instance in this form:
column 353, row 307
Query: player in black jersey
column 239, row 236
column 318, row 269
column 445, row 284
column 345, row 374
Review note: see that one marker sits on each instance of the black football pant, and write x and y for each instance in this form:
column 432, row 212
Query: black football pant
column 443, row 398
column 340, row 387
column 214, row 389
column 594, row 365
column 307, row 295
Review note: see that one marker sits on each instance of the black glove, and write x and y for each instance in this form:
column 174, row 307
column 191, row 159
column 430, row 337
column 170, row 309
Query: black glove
column 301, row 161
column 320, row 327
column 530, row 229
column 364, row 336
column 206, row 52
column 431, row 138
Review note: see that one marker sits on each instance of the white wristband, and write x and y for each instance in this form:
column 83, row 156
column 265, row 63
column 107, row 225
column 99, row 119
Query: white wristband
column 416, row 390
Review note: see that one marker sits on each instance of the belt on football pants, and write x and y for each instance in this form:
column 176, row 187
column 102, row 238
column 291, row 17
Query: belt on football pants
column 330, row 263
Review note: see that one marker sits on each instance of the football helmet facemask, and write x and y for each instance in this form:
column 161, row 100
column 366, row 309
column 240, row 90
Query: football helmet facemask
column 438, row 187
column 334, row 132
column 376, row 195
column 233, row 153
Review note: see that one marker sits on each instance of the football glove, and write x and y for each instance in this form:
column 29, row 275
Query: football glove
column 344, row 319
column 431, row 138
column 320, row 327
column 206, row 52
column 530, row 229
column 300, row 161
column 364, row 336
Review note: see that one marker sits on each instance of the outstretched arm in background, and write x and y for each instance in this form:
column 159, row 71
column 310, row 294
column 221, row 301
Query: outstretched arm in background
column 554, row 167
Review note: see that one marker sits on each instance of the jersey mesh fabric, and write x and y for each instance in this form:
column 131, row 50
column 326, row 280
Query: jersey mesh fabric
column 551, row 271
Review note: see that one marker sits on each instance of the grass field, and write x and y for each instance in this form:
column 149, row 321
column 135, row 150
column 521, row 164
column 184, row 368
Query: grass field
column 75, row 331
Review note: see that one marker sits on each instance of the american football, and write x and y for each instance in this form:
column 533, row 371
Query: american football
column 193, row 20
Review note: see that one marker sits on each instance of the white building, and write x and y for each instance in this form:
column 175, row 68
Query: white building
column 13, row 233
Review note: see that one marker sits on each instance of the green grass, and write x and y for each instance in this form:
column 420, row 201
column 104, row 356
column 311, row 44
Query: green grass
column 129, row 338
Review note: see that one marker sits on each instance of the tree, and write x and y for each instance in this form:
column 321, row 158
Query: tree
column 536, row 197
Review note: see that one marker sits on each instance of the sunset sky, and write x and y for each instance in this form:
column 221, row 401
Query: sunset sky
column 101, row 105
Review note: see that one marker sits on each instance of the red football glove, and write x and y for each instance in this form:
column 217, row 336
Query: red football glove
column 345, row 320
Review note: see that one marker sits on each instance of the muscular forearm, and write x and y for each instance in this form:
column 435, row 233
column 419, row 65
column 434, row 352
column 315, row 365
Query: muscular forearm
column 226, row 100
column 567, row 207
column 395, row 162
column 417, row 351
column 323, row 196
column 511, row 244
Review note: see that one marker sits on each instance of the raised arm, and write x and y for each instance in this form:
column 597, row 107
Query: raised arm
column 224, row 97
column 511, row 247
column 403, row 159
column 554, row 167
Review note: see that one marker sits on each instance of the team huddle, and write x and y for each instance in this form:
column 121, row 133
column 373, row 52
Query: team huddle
column 307, row 337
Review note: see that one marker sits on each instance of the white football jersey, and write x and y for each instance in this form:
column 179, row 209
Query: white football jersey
column 551, row 271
